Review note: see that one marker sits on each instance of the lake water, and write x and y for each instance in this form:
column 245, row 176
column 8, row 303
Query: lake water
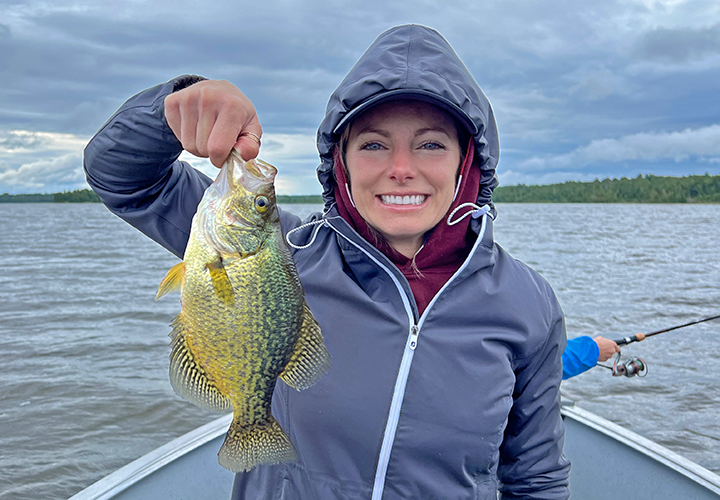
column 85, row 349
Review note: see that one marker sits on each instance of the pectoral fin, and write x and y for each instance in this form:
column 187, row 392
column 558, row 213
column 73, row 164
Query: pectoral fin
column 172, row 280
column 310, row 360
column 220, row 281
column 188, row 378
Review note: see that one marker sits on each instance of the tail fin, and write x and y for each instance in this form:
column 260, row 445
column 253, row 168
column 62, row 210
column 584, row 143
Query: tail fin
column 261, row 443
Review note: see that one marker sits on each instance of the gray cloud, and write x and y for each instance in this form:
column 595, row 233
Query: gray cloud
column 677, row 146
column 64, row 173
column 679, row 44
column 560, row 74
column 12, row 142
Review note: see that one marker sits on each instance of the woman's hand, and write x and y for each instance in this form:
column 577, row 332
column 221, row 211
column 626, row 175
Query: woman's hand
column 211, row 117
column 607, row 348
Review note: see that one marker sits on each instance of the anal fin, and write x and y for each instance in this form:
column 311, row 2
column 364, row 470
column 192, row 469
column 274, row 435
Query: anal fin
column 188, row 378
column 310, row 360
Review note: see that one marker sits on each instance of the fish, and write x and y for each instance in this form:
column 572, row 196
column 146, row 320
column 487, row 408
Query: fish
column 244, row 321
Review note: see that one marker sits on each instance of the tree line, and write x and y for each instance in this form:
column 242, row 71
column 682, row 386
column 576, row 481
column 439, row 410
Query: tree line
column 77, row 196
column 641, row 189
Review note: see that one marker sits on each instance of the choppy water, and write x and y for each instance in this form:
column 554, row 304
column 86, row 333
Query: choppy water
column 84, row 345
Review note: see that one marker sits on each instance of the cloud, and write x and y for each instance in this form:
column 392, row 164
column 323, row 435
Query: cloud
column 560, row 73
column 32, row 161
column 701, row 143
column 63, row 173
column 27, row 141
column 679, row 44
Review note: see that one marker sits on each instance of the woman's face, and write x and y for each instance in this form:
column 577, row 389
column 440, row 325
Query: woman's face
column 402, row 159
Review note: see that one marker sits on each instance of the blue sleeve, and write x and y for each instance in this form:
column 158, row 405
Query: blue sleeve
column 532, row 464
column 132, row 164
column 580, row 355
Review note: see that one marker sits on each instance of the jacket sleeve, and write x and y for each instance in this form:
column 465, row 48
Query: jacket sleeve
column 532, row 464
column 132, row 164
column 580, row 355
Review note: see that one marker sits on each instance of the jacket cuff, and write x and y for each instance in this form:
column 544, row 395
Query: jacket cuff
column 185, row 81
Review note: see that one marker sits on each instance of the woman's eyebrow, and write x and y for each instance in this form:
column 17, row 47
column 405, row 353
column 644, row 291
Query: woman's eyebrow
column 385, row 133
column 431, row 129
column 372, row 130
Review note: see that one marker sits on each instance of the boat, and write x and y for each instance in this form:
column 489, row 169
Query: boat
column 607, row 460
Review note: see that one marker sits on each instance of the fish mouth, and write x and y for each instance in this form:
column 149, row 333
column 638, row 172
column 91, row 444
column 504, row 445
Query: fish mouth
column 261, row 169
column 251, row 174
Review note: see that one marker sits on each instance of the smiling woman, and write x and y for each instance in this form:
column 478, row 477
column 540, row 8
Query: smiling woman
column 402, row 160
column 446, row 351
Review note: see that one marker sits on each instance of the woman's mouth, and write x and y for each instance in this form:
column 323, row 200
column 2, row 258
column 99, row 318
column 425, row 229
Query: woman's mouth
column 417, row 199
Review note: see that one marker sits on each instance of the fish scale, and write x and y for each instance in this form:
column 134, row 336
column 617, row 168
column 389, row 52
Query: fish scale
column 244, row 320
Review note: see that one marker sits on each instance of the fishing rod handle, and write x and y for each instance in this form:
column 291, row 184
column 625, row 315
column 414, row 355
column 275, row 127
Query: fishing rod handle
column 629, row 340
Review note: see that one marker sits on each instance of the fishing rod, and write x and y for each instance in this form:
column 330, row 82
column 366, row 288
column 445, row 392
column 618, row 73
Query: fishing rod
column 636, row 366
column 642, row 336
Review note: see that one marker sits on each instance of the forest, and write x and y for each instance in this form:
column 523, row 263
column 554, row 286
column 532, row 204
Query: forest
column 641, row 189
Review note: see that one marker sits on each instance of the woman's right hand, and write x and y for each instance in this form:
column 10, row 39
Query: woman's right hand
column 210, row 117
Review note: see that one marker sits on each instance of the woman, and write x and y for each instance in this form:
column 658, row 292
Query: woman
column 446, row 351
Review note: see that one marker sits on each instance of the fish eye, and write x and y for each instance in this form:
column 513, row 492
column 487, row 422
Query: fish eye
column 261, row 203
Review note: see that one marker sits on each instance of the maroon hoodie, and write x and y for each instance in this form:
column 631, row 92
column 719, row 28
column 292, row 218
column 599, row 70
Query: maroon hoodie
column 446, row 246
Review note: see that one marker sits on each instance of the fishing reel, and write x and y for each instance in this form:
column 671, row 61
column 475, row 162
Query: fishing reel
column 629, row 367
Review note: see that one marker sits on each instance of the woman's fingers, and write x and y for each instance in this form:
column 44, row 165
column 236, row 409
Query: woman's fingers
column 209, row 118
column 249, row 141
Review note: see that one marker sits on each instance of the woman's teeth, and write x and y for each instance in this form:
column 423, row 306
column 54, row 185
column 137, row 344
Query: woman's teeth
column 417, row 199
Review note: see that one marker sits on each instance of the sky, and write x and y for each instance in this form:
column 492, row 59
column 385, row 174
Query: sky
column 581, row 89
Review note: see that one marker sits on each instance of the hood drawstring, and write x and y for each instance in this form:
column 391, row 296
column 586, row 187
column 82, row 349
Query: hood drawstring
column 347, row 190
column 317, row 223
column 476, row 213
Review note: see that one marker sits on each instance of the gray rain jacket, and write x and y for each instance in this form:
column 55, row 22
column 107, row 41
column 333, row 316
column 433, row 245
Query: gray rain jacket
column 453, row 404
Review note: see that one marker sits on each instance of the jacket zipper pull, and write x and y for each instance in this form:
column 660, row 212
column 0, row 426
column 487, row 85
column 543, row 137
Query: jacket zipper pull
column 414, row 337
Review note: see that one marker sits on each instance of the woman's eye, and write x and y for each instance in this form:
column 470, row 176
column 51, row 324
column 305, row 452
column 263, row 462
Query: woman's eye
column 432, row 145
column 371, row 146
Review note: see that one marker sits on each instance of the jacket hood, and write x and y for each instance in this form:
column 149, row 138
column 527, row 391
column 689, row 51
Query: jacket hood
column 413, row 61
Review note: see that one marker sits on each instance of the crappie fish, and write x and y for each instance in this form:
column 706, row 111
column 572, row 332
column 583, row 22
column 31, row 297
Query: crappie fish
column 243, row 321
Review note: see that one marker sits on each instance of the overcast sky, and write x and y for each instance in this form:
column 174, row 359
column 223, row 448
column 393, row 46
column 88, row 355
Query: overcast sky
column 582, row 89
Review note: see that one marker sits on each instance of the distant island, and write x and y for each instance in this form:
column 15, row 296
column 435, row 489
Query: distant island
column 641, row 189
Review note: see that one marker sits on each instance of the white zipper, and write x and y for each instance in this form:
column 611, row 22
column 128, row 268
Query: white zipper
column 408, row 354
column 414, row 336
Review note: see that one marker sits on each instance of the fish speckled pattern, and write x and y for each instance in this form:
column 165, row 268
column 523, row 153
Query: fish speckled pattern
column 244, row 321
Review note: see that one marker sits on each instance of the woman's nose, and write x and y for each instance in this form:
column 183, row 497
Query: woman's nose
column 402, row 168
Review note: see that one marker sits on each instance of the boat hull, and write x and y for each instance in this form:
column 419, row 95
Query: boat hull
column 606, row 460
